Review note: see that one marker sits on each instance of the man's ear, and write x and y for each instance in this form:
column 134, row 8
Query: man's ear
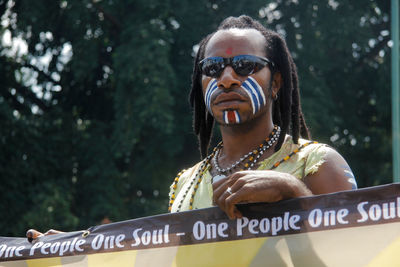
column 276, row 84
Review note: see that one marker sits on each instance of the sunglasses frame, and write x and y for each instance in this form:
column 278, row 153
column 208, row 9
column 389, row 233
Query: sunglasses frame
column 224, row 62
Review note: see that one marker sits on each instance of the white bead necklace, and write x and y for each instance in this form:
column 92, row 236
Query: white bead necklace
column 254, row 154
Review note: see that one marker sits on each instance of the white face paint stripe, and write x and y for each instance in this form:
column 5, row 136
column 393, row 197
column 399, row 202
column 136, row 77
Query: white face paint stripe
column 251, row 98
column 255, row 92
column 252, row 89
column 259, row 89
column 211, row 87
column 225, row 115
column 237, row 116
column 209, row 90
column 210, row 84
column 247, row 85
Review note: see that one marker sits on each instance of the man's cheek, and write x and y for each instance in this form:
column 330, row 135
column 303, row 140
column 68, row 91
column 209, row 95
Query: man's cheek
column 255, row 93
column 210, row 90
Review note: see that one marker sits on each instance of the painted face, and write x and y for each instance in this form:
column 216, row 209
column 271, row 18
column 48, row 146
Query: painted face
column 231, row 98
column 250, row 86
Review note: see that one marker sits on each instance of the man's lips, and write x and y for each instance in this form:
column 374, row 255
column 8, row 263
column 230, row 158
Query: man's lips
column 227, row 98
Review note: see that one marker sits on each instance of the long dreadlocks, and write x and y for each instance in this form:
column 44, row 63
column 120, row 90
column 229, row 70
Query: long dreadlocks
column 286, row 110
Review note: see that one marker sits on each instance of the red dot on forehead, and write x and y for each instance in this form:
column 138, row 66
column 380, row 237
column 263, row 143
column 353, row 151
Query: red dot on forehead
column 229, row 51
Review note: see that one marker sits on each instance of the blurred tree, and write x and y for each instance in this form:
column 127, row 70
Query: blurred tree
column 94, row 117
column 342, row 52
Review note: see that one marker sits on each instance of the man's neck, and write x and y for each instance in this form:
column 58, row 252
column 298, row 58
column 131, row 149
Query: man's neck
column 241, row 139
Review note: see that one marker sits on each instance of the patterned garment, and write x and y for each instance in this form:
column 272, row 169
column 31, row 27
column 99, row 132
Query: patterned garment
column 306, row 162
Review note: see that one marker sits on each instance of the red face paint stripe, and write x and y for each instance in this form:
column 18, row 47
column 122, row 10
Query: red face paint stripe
column 231, row 117
column 229, row 51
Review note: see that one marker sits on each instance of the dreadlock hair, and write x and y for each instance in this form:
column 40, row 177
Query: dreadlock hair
column 286, row 110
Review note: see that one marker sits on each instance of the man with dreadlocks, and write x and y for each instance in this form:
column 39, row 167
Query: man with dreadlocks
column 245, row 79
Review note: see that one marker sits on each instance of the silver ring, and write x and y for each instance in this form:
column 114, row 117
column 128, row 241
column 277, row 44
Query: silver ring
column 229, row 190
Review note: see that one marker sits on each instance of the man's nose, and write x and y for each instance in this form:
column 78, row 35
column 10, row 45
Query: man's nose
column 228, row 79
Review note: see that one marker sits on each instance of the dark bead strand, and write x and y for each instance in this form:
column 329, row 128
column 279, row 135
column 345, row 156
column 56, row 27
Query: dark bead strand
column 291, row 154
column 253, row 155
column 198, row 177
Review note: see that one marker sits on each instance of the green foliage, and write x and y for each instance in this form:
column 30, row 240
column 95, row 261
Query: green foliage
column 94, row 117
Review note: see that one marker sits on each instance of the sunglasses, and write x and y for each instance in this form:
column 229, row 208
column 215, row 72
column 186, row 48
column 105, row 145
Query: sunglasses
column 243, row 65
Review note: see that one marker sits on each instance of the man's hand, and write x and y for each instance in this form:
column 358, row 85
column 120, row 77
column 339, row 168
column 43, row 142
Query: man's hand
column 33, row 234
column 256, row 186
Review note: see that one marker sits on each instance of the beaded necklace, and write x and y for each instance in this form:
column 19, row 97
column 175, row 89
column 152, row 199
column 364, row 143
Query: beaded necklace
column 199, row 176
column 253, row 155
column 291, row 154
column 206, row 164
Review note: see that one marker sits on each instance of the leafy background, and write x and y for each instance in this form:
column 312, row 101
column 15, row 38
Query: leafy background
column 94, row 117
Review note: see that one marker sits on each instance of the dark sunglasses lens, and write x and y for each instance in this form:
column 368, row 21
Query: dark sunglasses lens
column 212, row 67
column 244, row 66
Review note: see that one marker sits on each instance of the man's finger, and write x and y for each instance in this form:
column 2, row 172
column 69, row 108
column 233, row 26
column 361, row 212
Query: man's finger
column 220, row 191
column 222, row 185
column 52, row 232
column 239, row 195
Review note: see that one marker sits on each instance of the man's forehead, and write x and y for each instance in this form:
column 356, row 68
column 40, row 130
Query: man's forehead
column 250, row 36
column 239, row 32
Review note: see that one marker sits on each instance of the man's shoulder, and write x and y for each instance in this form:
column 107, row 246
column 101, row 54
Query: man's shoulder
column 308, row 148
column 304, row 143
column 189, row 172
